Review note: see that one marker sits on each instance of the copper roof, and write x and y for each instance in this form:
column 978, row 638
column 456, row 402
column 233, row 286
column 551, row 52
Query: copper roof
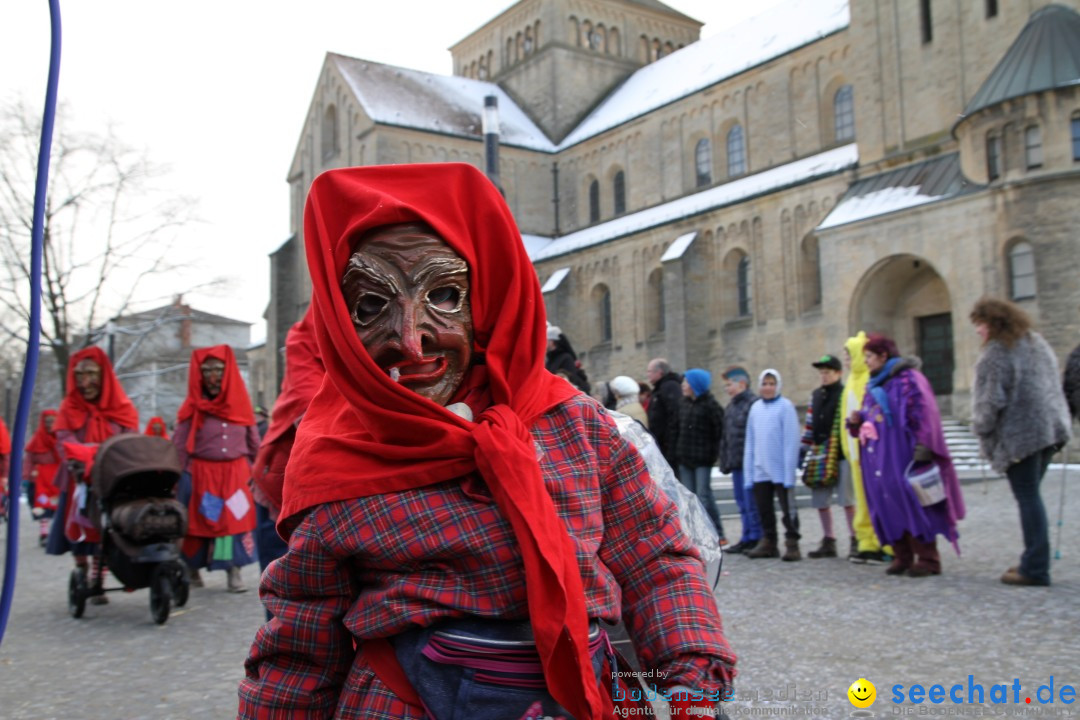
column 1044, row 56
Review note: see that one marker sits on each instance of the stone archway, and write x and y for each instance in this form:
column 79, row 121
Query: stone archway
column 904, row 297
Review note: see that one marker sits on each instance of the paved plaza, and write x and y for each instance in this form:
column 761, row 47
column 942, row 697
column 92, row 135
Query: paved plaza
column 803, row 631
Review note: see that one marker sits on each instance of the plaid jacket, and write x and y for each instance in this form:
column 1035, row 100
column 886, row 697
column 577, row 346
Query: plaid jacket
column 373, row 567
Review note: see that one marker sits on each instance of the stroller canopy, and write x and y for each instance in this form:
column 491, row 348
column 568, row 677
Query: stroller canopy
column 127, row 455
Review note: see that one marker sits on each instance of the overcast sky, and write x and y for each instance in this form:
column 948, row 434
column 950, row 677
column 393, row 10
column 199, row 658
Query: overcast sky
column 218, row 91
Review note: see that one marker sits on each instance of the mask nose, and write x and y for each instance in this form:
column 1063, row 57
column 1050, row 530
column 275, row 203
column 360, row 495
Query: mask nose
column 411, row 334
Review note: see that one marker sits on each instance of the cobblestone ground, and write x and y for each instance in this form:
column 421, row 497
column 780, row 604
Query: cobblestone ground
column 806, row 629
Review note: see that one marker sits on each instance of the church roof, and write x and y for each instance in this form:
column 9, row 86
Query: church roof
column 921, row 183
column 657, row 5
column 436, row 103
column 793, row 173
column 1044, row 56
column 780, row 30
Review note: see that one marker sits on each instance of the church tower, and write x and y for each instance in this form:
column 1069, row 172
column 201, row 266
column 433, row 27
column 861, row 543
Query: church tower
column 558, row 58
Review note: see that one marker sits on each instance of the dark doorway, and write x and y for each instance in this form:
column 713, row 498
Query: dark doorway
column 936, row 351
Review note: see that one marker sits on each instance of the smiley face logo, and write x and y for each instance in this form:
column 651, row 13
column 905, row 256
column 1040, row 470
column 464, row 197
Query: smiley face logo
column 862, row 693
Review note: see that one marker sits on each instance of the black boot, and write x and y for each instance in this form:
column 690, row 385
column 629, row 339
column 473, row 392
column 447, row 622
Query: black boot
column 791, row 550
column 827, row 549
column 766, row 548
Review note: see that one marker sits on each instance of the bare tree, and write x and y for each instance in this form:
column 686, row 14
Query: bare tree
column 107, row 230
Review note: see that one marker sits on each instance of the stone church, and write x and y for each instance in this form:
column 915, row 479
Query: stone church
column 755, row 197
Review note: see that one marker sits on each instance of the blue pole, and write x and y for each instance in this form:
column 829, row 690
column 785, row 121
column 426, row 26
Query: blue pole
column 26, row 392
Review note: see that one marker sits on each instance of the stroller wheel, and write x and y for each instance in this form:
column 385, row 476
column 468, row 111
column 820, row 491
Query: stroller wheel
column 160, row 593
column 181, row 584
column 77, row 591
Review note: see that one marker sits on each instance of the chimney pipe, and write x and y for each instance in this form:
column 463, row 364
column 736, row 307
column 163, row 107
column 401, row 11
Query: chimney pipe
column 491, row 139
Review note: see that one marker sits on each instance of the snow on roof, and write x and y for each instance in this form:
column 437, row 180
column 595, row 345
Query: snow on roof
column 779, row 30
column 810, row 168
column 876, row 203
column 436, row 103
column 534, row 243
column 555, row 280
column 678, row 248
column 917, row 184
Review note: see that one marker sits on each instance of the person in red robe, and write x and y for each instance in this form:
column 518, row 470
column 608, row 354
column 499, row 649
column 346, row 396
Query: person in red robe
column 156, row 427
column 5, row 459
column 39, row 472
column 216, row 440
column 303, row 375
column 443, row 480
column 94, row 409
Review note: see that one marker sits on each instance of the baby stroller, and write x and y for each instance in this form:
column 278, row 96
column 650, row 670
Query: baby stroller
column 130, row 502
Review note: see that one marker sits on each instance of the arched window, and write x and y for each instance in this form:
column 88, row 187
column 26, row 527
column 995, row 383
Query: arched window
column 1075, row 127
column 844, row 114
column 703, row 162
column 1033, row 152
column 1022, row 271
column 594, row 201
column 993, row 157
column 602, row 303
column 329, row 133
column 654, row 304
column 736, row 152
column 811, row 272
column 529, row 44
column 742, row 285
column 620, row 192
column 598, row 39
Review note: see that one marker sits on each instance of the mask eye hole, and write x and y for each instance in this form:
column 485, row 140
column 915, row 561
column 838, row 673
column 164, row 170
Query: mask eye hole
column 368, row 307
column 447, row 299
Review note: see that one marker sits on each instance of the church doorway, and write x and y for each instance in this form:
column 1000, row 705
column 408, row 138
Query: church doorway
column 904, row 297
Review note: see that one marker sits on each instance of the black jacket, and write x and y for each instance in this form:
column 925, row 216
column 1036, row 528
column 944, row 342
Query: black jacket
column 701, row 423
column 1072, row 381
column 564, row 361
column 664, row 415
column 733, row 439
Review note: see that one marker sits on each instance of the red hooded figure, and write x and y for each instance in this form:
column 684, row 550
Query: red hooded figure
column 95, row 407
column 40, row 466
column 518, row 499
column 5, row 456
column 156, row 427
column 304, row 373
column 216, row 440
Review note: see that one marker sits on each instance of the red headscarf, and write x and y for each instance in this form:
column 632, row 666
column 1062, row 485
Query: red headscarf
column 42, row 441
column 156, row 428
column 112, row 405
column 232, row 404
column 5, row 439
column 364, row 434
column 304, row 374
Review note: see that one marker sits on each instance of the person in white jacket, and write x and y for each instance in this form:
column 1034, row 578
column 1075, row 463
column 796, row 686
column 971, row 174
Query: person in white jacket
column 770, row 464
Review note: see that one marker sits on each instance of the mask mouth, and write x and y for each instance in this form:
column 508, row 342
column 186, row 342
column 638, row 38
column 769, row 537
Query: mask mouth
column 408, row 372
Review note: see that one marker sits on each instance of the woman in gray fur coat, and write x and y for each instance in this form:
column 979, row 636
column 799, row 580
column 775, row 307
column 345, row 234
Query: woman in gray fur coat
column 1020, row 416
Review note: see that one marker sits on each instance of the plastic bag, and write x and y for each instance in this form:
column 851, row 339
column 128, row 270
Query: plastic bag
column 695, row 522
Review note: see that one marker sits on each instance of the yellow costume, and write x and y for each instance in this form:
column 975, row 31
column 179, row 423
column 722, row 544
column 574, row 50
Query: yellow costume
column 854, row 389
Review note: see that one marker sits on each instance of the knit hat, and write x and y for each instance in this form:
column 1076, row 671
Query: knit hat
column 736, row 373
column 699, row 380
column 553, row 332
column 624, row 386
